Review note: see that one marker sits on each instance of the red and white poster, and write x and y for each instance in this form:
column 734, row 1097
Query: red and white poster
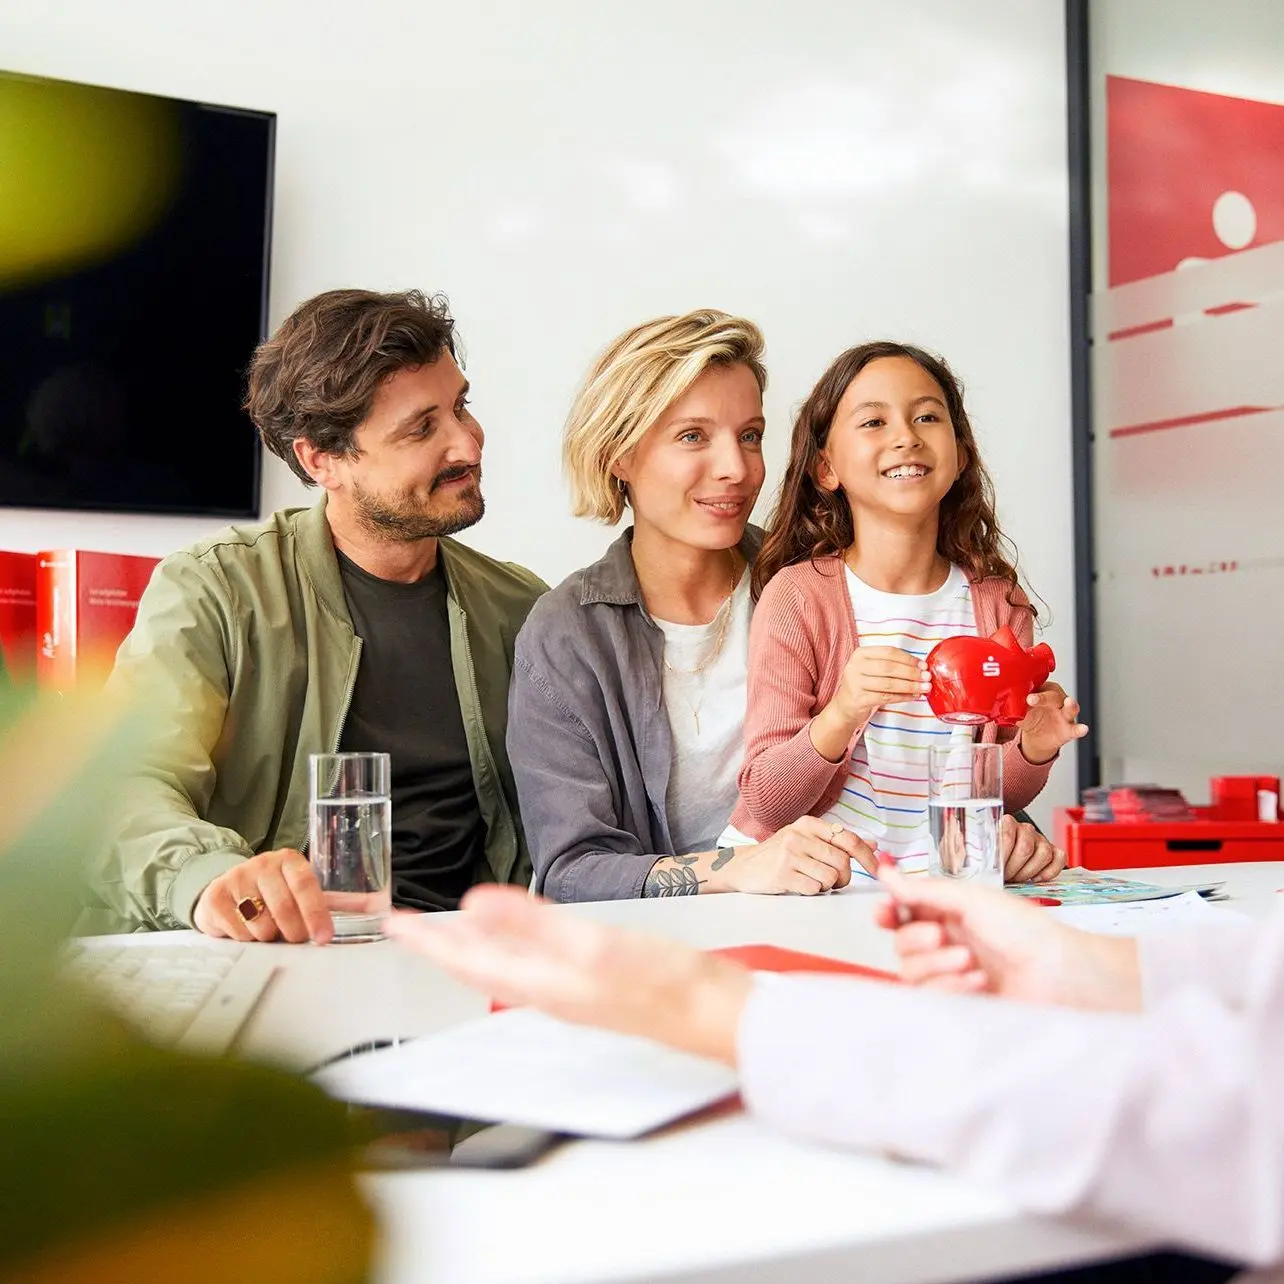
column 1189, row 450
column 1189, row 176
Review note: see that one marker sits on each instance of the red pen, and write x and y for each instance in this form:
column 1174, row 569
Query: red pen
column 1043, row 900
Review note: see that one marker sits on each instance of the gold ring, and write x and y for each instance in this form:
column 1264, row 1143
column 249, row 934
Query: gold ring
column 250, row 908
column 836, row 827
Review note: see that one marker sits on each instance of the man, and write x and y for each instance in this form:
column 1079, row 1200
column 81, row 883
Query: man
column 354, row 624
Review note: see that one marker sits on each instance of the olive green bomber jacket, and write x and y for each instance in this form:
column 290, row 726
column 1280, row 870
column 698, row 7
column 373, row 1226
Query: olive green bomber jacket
column 242, row 662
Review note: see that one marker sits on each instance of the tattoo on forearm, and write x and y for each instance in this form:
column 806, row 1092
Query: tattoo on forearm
column 678, row 880
column 724, row 857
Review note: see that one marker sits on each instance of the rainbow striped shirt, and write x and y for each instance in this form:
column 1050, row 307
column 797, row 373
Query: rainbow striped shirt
column 885, row 797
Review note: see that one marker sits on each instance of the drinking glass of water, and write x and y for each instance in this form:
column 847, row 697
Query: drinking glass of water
column 964, row 807
column 350, row 840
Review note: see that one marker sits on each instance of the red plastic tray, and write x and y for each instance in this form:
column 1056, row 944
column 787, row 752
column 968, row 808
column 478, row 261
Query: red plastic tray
column 1147, row 844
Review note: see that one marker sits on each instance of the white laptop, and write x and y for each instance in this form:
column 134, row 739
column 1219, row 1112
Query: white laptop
column 192, row 994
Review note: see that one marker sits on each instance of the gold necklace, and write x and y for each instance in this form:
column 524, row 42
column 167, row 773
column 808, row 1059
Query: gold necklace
column 695, row 708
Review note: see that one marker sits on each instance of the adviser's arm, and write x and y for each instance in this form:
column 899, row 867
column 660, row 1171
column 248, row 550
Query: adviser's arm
column 1171, row 1121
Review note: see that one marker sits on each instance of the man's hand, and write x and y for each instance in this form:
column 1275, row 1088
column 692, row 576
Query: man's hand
column 968, row 939
column 519, row 950
column 1027, row 856
column 282, row 881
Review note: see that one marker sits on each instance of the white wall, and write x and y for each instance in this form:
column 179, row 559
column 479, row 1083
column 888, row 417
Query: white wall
column 563, row 170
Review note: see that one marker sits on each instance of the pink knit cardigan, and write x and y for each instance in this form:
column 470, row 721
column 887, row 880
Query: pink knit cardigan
column 802, row 634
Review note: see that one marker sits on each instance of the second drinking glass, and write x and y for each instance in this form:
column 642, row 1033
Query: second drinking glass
column 964, row 807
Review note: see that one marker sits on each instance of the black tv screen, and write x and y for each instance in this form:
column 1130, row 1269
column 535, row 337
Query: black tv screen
column 134, row 244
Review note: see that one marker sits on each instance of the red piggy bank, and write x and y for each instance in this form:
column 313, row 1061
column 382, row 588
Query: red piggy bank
column 978, row 680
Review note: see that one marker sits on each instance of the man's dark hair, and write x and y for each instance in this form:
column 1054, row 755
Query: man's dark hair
column 317, row 376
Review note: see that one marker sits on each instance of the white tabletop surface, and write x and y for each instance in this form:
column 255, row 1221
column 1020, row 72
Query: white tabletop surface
column 721, row 1199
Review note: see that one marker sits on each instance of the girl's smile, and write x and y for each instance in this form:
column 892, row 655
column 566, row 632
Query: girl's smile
column 892, row 444
column 908, row 472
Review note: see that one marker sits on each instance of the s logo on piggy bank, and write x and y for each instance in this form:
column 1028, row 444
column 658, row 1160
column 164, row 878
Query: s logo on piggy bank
column 977, row 680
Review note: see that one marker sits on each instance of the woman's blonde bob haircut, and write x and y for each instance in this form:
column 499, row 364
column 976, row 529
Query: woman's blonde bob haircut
column 634, row 380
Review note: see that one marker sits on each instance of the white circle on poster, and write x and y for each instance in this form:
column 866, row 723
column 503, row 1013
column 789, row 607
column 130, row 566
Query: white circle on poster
column 1234, row 220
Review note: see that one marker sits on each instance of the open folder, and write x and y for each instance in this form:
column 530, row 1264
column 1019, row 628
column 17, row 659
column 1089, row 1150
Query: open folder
column 519, row 1066
column 776, row 958
column 522, row 1067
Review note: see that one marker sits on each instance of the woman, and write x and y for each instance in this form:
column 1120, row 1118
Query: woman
column 627, row 703
column 626, row 710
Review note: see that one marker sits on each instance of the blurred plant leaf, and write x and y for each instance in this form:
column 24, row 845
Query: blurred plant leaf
column 127, row 1161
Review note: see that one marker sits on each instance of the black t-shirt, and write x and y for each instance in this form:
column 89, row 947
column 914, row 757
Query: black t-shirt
column 405, row 704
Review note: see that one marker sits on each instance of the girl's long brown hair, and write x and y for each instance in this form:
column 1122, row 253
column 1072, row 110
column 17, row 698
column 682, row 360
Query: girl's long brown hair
column 809, row 522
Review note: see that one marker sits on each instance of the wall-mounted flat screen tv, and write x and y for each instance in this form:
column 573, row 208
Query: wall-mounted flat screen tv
column 134, row 244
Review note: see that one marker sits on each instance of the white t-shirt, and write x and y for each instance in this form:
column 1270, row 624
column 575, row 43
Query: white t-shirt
column 885, row 797
column 706, row 717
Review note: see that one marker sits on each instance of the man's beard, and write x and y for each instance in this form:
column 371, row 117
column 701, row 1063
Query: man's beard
column 405, row 519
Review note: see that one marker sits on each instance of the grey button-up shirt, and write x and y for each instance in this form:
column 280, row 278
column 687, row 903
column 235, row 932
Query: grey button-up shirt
column 588, row 735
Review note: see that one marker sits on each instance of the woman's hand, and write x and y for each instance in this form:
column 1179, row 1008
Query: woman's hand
column 1053, row 721
column 1027, row 856
column 523, row 952
column 806, row 858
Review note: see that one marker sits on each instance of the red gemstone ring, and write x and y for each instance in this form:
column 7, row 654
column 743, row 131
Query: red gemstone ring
column 250, row 908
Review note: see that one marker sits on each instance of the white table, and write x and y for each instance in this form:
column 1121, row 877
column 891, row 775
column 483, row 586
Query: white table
column 1250, row 888
column 719, row 1200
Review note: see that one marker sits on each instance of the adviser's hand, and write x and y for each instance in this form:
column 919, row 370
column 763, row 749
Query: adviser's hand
column 272, row 896
column 519, row 950
column 1027, row 856
column 968, row 939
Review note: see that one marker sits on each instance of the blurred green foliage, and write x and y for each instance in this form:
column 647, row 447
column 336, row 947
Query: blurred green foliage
column 124, row 1161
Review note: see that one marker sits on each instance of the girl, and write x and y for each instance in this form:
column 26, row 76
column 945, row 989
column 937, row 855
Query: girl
column 627, row 705
column 883, row 542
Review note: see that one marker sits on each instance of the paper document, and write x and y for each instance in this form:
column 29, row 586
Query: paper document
column 521, row 1067
column 1132, row 918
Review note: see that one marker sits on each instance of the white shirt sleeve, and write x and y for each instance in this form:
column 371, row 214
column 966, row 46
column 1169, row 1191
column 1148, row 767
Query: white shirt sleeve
column 1171, row 1121
column 1212, row 958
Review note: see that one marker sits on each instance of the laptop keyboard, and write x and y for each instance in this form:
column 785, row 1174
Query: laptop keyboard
column 193, row 998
